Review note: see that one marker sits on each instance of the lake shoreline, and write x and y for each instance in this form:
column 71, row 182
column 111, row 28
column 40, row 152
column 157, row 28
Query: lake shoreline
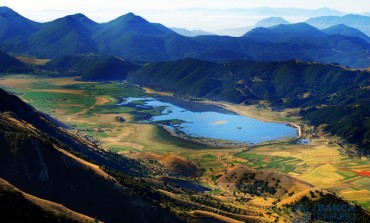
column 212, row 140
column 250, row 111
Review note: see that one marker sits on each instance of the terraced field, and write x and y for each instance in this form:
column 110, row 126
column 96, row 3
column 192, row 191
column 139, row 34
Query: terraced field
column 318, row 163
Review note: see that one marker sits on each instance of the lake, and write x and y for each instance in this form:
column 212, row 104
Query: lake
column 199, row 120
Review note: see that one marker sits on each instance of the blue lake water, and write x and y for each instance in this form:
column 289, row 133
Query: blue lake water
column 210, row 121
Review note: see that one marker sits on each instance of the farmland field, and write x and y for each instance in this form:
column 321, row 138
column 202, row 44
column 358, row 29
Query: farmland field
column 90, row 108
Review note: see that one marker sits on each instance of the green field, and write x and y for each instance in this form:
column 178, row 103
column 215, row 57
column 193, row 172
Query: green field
column 275, row 163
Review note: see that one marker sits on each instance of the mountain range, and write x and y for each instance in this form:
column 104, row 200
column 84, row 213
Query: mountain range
column 359, row 22
column 293, row 84
column 281, row 83
column 345, row 31
column 356, row 25
column 132, row 37
column 266, row 23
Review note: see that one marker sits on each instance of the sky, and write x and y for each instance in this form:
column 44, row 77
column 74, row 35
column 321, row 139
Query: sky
column 171, row 12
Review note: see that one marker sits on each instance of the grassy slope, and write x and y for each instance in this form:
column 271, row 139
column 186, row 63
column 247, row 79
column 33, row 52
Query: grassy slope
column 34, row 162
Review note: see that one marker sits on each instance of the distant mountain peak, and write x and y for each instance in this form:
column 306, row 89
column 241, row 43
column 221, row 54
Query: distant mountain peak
column 4, row 10
column 79, row 16
column 295, row 27
column 75, row 16
column 69, row 19
column 274, row 18
column 271, row 21
column 75, row 20
column 8, row 12
column 131, row 23
column 340, row 26
column 13, row 24
column 353, row 15
column 84, row 20
column 284, row 31
column 131, row 16
column 259, row 31
column 344, row 30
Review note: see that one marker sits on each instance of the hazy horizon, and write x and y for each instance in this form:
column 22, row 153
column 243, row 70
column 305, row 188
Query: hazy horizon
column 212, row 16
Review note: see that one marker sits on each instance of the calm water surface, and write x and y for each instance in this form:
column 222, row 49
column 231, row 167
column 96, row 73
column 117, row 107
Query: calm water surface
column 210, row 121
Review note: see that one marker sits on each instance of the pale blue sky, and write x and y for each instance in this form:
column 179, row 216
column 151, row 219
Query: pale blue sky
column 168, row 13
column 343, row 5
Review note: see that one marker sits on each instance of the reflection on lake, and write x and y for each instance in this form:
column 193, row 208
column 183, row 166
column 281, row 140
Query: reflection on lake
column 210, row 121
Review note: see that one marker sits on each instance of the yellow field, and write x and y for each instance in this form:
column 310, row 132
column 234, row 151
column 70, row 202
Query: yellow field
column 325, row 167
column 34, row 61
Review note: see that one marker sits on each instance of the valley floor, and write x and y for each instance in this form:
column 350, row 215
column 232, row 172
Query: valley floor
column 90, row 109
